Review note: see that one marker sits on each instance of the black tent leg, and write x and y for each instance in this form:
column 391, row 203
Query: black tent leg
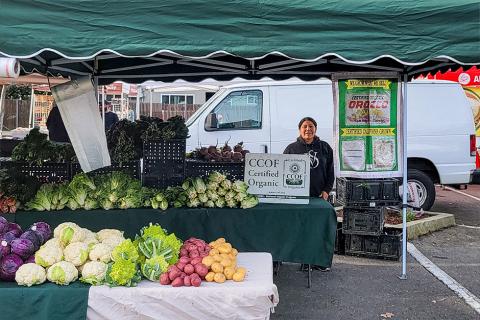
column 309, row 276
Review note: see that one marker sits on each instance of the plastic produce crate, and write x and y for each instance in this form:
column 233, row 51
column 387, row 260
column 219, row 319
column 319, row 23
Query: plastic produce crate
column 368, row 192
column 363, row 220
column 339, row 242
column 386, row 246
column 163, row 163
column 196, row 168
column 132, row 168
column 48, row 172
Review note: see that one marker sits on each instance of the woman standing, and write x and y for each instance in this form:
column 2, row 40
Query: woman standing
column 322, row 173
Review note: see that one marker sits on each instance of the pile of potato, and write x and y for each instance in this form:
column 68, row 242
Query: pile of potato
column 222, row 263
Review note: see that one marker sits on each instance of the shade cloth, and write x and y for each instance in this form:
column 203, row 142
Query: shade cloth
column 294, row 233
column 251, row 299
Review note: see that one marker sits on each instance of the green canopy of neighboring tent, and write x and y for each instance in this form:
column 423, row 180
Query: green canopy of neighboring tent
column 250, row 38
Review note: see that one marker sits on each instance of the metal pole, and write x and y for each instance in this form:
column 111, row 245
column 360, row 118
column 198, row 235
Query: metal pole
column 405, row 179
column 16, row 113
column 32, row 104
column 151, row 101
column 137, row 104
column 2, row 98
column 103, row 105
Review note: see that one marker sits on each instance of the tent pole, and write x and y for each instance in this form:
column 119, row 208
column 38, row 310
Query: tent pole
column 2, row 98
column 137, row 104
column 32, row 105
column 405, row 179
column 103, row 105
column 151, row 102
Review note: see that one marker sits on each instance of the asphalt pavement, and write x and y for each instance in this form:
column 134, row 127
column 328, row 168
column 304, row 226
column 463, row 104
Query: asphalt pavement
column 358, row 288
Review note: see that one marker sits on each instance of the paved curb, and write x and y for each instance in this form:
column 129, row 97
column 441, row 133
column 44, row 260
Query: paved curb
column 437, row 221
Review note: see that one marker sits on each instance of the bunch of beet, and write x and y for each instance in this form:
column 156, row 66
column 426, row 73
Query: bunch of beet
column 189, row 270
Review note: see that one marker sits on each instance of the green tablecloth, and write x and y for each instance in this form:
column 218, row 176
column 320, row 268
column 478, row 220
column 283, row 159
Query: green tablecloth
column 293, row 233
column 44, row 302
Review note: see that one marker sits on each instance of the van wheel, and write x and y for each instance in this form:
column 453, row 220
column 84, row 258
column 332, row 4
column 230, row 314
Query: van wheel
column 425, row 187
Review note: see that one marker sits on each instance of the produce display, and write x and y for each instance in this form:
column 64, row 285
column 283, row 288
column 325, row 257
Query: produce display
column 18, row 186
column 222, row 154
column 222, row 263
column 37, row 149
column 18, row 247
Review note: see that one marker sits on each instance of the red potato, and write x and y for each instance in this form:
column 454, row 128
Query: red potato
column 174, row 274
column 184, row 260
column 186, row 281
column 164, row 279
column 195, row 281
column 170, row 268
column 182, row 275
column 196, row 260
column 178, row 282
column 183, row 252
column 180, row 266
column 193, row 254
column 201, row 270
column 191, row 247
column 189, row 269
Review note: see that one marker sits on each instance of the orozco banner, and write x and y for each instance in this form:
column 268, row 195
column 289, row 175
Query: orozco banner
column 278, row 178
column 368, row 130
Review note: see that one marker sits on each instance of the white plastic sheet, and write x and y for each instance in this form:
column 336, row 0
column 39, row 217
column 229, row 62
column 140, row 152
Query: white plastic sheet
column 79, row 110
column 252, row 299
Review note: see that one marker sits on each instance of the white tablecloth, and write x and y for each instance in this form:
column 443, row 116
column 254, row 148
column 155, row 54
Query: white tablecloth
column 251, row 299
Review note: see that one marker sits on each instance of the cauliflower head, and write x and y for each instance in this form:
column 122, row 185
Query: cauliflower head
column 108, row 233
column 90, row 237
column 62, row 273
column 100, row 252
column 30, row 274
column 113, row 241
column 48, row 254
column 58, row 230
column 71, row 234
column 76, row 253
column 93, row 272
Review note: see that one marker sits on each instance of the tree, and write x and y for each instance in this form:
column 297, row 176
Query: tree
column 18, row 92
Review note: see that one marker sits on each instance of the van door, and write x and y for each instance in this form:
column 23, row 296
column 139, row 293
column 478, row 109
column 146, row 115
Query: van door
column 242, row 115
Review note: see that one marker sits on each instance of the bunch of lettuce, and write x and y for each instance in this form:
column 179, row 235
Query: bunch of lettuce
column 50, row 197
column 80, row 190
column 157, row 249
column 119, row 190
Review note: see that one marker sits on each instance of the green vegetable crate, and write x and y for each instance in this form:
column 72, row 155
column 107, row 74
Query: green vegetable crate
column 132, row 168
column 48, row 172
column 164, row 163
column 233, row 170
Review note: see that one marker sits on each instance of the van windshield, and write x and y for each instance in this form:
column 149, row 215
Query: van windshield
column 197, row 113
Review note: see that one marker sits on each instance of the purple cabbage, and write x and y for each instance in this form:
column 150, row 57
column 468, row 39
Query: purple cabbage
column 30, row 259
column 9, row 266
column 24, row 248
column 3, row 225
column 43, row 229
column 32, row 236
column 4, row 248
column 8, row 237
column 15, row 228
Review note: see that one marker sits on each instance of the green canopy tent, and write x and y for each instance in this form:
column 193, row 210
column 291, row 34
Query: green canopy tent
column 193, row 40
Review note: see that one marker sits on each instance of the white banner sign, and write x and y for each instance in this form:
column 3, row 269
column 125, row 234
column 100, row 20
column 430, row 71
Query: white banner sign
column 278, row 178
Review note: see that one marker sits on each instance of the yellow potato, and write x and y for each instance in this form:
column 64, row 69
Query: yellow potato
column 209, row 276
column 238, row 276
column 225, row 256
column 228, row 272
column 224, row 248
column 211, row 244
column 241, row 270
column 234, row 251
column 213, row 252
column 217, row 258
column 208, row 261
column 219, row 278
column 220, row 240
column 226, row 262
column 217, row 267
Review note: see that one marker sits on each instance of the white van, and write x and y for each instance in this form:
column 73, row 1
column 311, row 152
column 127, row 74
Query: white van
column 264, row 115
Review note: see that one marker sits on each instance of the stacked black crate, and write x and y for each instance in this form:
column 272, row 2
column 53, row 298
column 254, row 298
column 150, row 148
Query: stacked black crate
column 365, row 202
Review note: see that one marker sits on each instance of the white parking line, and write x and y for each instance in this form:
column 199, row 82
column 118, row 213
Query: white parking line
column 461, row 291
column 465, row 226
column 460, row 192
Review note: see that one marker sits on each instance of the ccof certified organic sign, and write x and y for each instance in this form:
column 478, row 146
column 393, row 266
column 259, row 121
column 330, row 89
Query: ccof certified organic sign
column 278, row 178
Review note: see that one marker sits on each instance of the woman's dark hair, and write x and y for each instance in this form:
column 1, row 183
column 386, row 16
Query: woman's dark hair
column 307, row 119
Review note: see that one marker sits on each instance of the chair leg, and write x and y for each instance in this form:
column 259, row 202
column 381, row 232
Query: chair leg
column 309, row 276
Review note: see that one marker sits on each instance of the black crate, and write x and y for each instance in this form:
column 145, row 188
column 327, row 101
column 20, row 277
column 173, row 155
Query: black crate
column 163, row 163
column 132, row 168
column 363, row 220
column 48, row 172
column 386, row 246
column 196, row 168
column 368, row 192
column 339, row 242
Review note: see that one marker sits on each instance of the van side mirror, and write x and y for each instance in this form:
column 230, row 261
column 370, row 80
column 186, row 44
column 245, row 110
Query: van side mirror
column 211, row 121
